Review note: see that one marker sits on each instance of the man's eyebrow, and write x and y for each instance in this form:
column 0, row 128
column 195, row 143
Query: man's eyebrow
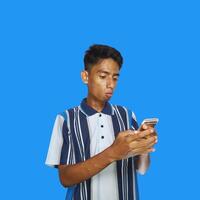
column 106, row 72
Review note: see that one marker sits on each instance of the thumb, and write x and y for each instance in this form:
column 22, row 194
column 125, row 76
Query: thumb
column 143, row 127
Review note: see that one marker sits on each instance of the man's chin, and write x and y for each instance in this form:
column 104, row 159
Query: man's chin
column 107, row 98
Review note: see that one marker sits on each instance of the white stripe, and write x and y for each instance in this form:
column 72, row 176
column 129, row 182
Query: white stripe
column 112, row 109
column 83, row 149
column 125, row 162
column 132, row 127
column 134, row 189
column 81, row 193
column 133, row 116
column 79, row 136
column 126, row 173
column 125, row 179
column 122, row 167
column 68, row 121
column 79, row 107
column 72, row 152
column 120, row 119
column 120, row 127
column 68, row 155
column 127, row 118
column 80, row 133
column 125, row 186
column 85, row 190
column 68, row 125
column 122, row 180
column 75, row 130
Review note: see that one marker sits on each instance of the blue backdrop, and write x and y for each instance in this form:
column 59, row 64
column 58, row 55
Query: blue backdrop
column 42, row 45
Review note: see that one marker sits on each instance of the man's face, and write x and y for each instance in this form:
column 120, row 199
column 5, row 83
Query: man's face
column 102, row 79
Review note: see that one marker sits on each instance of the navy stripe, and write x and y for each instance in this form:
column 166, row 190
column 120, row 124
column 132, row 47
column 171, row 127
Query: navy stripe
column 64, row 115
column 130, row 177
column 119, row 117
column 123, row 116
column 119, row 163
column 86, row 141
column 136, row 186
column 76, row 128
column 65, row 147
column 76, row 150
column 129, row 118
column 130, row 174
column 134, row 124
column 85, row 133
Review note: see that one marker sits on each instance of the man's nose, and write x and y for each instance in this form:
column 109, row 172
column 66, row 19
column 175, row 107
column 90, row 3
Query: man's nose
column 110, row 83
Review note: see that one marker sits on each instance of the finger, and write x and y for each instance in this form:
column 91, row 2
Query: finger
column 129, row 135
column 141, row 151
column 145, row 127
column 151, row 144
column 151, row 140
column 142, row 127
column 143, row 143
column 153, row 134
column 149, row 150
column 136, row 135
column 145, row 133
column 126, row 133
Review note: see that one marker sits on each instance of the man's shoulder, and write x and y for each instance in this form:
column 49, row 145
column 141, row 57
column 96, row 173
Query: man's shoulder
column 124, row 109
column 120, row 107
column 64, row 114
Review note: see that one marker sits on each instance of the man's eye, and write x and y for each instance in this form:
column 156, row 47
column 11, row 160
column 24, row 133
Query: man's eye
column 102, row 77
column 115, row 78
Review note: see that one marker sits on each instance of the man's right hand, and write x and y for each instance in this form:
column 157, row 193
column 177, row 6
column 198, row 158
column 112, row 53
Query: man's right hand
column 127, row 143
column 132, row 143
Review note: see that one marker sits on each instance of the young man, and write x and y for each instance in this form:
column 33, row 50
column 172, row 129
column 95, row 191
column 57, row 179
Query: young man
column 97, row 146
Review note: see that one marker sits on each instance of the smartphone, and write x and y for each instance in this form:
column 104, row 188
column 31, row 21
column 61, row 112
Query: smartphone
column 150, row 122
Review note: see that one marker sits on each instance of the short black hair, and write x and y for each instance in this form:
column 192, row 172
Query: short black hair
column 97, row 52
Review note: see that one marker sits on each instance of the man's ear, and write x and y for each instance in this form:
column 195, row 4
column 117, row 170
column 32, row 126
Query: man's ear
column 84, row 76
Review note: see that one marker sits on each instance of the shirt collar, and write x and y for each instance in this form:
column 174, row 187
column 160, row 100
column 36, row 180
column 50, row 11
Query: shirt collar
column 90, row 111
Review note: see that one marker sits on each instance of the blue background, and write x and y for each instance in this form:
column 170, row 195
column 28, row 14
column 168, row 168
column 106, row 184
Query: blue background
column 42, row 44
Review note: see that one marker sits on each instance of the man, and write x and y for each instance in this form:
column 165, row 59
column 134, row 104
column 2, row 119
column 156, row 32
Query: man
column 97, row 146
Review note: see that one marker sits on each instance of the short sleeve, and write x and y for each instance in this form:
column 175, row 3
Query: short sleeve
column 56, row 143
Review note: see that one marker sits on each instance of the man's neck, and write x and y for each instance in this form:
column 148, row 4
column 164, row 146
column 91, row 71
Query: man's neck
column 95, row 104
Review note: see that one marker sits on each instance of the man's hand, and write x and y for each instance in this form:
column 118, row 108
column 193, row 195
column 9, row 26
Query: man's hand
column 128, row 143
column 132, row 143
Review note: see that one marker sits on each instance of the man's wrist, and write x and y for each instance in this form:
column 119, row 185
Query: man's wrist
column 110, row 154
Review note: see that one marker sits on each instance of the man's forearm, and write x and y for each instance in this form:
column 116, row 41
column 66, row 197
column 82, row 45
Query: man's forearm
column 77, row 173
column 125, row 144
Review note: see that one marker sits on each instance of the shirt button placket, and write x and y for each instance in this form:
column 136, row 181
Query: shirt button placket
column 102, row 136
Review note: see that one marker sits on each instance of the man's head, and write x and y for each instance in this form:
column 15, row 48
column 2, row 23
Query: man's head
column 96, row 53
column 102, row 66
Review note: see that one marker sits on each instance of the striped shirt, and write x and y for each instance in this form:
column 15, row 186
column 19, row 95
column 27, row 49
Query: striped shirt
column 70, row 144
